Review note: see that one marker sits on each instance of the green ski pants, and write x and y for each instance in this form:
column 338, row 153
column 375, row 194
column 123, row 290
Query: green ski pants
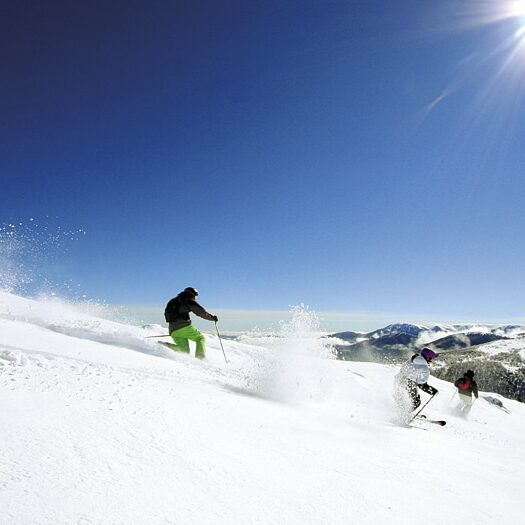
column 184, row 335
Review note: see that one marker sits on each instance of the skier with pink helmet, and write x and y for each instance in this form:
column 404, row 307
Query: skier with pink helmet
column 413, row 377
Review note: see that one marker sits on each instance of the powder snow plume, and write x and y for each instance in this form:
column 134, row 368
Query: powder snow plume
column 32, row 258
column 291, row 371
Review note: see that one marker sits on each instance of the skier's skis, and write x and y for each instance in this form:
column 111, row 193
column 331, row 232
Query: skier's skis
column 171, row 346
column 174, row 347
column 439, row 422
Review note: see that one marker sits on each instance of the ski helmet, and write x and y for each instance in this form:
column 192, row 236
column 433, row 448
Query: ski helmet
column 191, row 291
column 469, row 373
column 428, row 354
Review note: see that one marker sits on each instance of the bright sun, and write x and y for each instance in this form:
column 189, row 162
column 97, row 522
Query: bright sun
column 480, row 13
column 518, row 12
column 518, row 8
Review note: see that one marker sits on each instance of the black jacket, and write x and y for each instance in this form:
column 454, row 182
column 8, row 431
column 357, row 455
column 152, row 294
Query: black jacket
column 177, row 312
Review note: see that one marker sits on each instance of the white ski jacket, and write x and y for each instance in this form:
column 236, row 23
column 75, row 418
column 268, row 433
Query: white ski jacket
column 416, row 369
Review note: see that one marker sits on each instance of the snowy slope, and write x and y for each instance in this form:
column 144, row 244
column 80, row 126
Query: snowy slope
column 511, row 345
column 102, row 426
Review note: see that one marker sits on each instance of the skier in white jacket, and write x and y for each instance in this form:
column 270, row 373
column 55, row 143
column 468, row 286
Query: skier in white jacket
column 414, row 375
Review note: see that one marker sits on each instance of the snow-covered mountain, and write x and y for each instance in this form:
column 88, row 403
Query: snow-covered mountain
column 410, row 336
column 103, row 426
column 497, row 353
column 393, row 341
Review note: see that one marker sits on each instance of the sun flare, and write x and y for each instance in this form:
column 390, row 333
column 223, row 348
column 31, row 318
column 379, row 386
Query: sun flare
column 497, row 67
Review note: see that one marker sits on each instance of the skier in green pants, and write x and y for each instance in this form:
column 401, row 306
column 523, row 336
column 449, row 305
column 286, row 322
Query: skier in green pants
column 177, row 315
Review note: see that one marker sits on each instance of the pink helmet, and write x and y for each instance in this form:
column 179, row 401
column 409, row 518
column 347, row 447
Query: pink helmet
column 428, row 354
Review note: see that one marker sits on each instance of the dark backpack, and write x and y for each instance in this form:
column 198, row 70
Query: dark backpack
column 465, row 383
column 172, row 309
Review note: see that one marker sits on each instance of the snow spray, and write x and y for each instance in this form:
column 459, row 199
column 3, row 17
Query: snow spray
column 34, row 263
column 291, row 371
column 32, row 258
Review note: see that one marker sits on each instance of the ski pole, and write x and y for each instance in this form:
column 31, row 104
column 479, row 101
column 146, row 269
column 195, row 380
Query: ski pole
column 220, row 341
column 418, row 412
column 163, row 335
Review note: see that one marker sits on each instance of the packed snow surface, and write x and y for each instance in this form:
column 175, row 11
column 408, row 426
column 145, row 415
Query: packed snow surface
column 101, row 425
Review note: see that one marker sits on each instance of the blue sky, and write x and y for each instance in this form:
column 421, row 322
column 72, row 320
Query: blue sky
column 353, row 156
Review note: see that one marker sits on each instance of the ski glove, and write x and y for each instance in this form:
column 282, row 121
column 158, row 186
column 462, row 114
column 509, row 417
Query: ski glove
column 214, row 318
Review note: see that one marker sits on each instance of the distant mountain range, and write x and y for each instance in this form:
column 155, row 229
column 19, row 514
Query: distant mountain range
column 404, row 337
column 497, row 353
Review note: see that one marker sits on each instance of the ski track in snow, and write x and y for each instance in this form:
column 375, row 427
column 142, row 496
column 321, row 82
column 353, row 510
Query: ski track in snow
column 102, row 426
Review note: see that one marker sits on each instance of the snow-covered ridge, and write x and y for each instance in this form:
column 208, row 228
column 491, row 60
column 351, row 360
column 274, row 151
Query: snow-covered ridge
column 103, row 426
column 418, row 335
